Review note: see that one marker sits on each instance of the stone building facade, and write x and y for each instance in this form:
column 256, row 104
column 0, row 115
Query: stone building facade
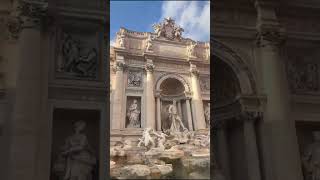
column 53, row 74
column 157, row 70
column 266, row 88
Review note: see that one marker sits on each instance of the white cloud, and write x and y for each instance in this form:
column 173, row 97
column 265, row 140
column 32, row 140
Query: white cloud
column 113, row 42
column 193, row 17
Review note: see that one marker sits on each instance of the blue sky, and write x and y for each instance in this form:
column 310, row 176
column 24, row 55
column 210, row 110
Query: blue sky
column 193, row 16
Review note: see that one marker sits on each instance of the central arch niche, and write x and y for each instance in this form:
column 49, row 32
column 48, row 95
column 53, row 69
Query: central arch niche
column 226, row 85
column 172, row 88
column 229, row 138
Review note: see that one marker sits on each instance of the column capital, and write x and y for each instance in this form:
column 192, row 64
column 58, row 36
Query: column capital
column 149, row 66
column 26, row 14
column 270, row 36
column 269, row 30
column 219, row 124
column 120, row 65
column 250, row 115
column 188, row 95
column 194, row 70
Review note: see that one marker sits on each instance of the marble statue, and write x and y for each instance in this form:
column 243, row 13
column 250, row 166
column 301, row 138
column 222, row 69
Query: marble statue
column 127, row 144
column 190, row 49
column 133, row 115
column 311, row 159
column 207, row 115
column 176, row 122
column 161, row 140
column 158, row 29
column 121, row 41
column 168, row 29
column 149, row 43
column 178, row 32
column 79, row 156
column 146, row 139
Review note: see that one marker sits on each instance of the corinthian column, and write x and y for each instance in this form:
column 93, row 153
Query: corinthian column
column 150, row 99
column 278, row 130
column 253, row 162
column 29, row 104
column 197, row 103
column 117, row 94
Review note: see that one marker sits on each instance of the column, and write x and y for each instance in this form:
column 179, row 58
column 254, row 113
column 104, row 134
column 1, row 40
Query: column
column 189, row 116
column 150, row 100
column 251, row 149
column 222, row 149
column 158, row 113
column 118, row 94
column 197, row 99
column 29, row 101
column 279, row 139
column 179, row 108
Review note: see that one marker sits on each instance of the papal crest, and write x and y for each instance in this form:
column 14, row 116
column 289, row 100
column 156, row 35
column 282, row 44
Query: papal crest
column 168, row 29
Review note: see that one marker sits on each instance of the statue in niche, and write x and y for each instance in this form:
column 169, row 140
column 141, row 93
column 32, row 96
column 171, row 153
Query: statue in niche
column 133, row 115
column 75, row 59
column 207, row 115
column 134, row 79
column 176, row 122
column 311, row 159
column 77, row 155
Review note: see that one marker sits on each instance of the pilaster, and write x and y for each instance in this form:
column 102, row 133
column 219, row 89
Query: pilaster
column 270, row 38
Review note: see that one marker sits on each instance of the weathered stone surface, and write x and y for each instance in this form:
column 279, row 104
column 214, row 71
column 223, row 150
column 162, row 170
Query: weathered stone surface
column 172, row 154
column 196, row 163
column 165, row 169
column 135, row 171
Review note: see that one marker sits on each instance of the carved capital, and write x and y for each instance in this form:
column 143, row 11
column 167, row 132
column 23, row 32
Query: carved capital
column 14, row 27
column 149, row 67
column 194, row 70
column 270, row 36
column 250, row 115
column 119, row 66
column 188, row 94
column 26, row 14
column 219, row 124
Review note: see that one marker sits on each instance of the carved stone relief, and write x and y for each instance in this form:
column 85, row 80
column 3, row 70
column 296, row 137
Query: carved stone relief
column 168, row 29
column 76, row 58
column 205, row 83
column 303, row 77
column 134, row 78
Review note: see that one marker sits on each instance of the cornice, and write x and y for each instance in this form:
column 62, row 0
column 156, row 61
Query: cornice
column 81, row 13
column 234, row 31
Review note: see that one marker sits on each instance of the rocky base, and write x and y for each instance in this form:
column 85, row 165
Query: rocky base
column 179, row 160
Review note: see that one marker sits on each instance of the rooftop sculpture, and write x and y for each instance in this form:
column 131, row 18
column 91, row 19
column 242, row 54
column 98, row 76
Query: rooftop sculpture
column 168, row 29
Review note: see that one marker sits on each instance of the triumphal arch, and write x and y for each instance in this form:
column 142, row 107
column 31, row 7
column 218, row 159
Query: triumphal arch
column 151, row 71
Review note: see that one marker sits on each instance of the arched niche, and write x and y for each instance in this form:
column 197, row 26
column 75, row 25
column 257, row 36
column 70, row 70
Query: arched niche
column 174, row 76
column 242, row 70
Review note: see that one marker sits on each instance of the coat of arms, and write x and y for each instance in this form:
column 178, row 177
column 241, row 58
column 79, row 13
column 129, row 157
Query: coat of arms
column 168, row 29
